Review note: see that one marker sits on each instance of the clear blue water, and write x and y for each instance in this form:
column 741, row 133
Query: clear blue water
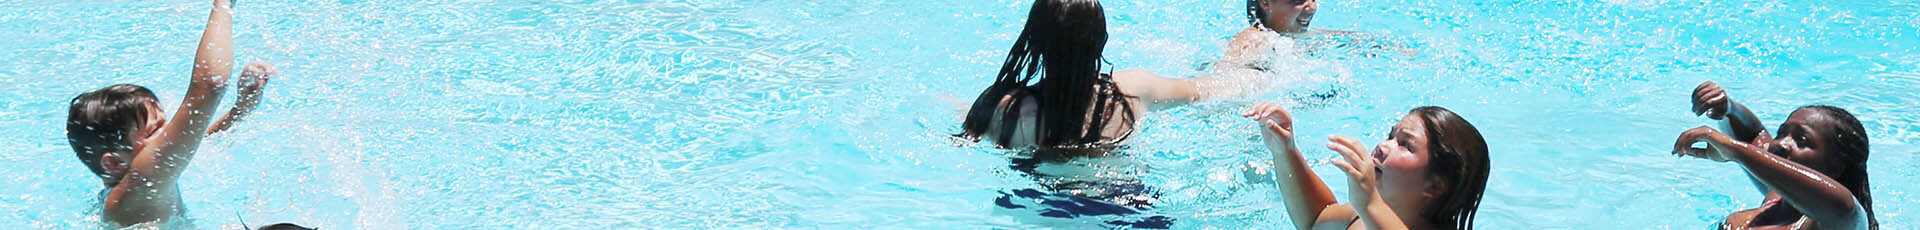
column 824, row 114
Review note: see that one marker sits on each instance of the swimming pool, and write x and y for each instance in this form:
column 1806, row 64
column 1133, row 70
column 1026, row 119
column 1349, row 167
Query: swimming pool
column 824, row 114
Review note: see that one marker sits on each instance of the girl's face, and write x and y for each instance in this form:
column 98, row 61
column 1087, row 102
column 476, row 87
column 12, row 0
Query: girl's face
column 1289, row 16
column 1801, row 142
column 1405, row 182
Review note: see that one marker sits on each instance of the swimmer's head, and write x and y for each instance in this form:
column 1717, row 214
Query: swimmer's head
column 1288, row 16
column 1433, row 166
column 106, row 126
column 283, row 226
column 1829, row 140
column 1062, row 44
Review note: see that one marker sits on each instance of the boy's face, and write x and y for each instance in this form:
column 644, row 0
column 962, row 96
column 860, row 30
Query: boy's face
column 1289, row 15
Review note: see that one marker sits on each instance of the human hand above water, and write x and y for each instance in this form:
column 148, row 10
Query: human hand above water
column 1276, row 126
column 1359, row 166
column 1711, row 100
column 1719, row 145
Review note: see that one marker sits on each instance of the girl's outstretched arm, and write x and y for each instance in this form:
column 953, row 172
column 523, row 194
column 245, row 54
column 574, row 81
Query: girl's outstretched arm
column 1305, row 195
column 1158, row 92
column 1711, row 100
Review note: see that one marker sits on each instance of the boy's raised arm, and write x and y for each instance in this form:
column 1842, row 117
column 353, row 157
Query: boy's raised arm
column 168, row 152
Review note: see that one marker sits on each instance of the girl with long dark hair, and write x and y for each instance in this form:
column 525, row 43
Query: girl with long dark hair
column 1051, row 92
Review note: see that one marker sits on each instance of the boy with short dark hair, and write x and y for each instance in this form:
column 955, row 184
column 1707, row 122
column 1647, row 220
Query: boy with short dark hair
column 119, row 131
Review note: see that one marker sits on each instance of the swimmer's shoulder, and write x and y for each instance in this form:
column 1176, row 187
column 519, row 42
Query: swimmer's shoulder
column 1338, row 216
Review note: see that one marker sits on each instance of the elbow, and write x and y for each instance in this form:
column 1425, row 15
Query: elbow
column 213, row 79
column 1843, row 215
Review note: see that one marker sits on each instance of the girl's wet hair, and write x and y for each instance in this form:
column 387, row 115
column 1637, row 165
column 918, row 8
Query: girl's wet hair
column 103, row 121
column 1062, row 44
column 1255, row 13
column 1457, row 155
column 1849, row 145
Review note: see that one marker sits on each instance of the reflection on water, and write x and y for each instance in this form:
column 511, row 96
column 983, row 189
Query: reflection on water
column 795, row 114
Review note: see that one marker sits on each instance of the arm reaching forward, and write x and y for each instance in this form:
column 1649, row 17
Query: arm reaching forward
column 1305, row 195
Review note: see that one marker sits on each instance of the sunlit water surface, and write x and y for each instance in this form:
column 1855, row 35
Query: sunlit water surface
column 827, row 114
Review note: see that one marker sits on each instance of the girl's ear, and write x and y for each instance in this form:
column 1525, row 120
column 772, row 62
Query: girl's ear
column 1435, row 187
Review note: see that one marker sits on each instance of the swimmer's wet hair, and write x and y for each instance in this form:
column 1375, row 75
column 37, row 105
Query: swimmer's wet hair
column 1062, row 44
column 1458, row 156
column 279, row 226
column 1850, row 147
column 104, row 121
column 1254, row 12
column 283, row 226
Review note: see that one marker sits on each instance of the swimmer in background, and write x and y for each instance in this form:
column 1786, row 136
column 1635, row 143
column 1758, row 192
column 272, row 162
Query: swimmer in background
column 1814, row 174
column 1271, row 19
column 1052, row 101
column 1050, row 93
column 122, row 135
column 1428, row 174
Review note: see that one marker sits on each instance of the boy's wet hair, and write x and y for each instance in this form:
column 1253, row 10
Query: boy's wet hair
column 1458, row 157
column 1850, row 148
column 104, row 121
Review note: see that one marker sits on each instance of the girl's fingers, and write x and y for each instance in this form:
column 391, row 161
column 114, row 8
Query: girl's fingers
column 1281, row 129
column 1351, row 154
column 1268, row 109
column 1346, row 167
column 1337, row 149
column 1686, row 140
column 1349, row 142
column 1272, row 126
column 1256, row 111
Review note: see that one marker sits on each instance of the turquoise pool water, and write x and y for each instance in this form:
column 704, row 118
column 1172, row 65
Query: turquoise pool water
column 825, row 114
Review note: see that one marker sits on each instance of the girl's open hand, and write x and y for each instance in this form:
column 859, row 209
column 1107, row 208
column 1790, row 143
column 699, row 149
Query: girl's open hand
column 1276, row 125
column 1718, row 144
column 1359, row 167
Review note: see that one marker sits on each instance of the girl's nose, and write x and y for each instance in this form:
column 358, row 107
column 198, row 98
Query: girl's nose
column 1380, row 151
